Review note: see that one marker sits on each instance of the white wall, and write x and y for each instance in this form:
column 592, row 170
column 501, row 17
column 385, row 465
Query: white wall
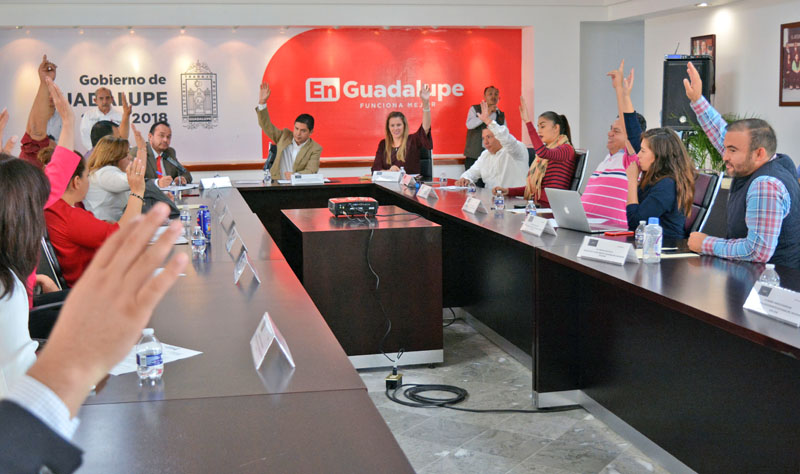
column 603, row 46
column 748, row 46
column 553, row 36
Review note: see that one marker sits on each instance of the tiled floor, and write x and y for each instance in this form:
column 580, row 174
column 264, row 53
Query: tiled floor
column 439, row 440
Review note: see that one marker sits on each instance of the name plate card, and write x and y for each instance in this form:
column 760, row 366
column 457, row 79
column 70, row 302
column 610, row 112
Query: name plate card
column 217, row 200
column 385, row 176
column 299, row 178
column 216, row 182
column 232, row 236
column 427, row 192
column 267, row 334
column 537, row 226
column 474, row 206
column 242, row 263
column 409, row 181
column 604, row 250
column 775, row 302
column 223, row 214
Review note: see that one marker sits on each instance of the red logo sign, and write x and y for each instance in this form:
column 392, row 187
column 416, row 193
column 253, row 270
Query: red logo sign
column 350, row 79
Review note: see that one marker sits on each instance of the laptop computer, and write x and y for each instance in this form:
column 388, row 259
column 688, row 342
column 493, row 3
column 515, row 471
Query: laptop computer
column 569, row 213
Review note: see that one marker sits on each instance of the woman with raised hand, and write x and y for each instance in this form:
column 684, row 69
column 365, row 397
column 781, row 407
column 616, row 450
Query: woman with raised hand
column 399, row 149
column 108, row 183
column 666, row 188
column 554, row 165
column 75, row 233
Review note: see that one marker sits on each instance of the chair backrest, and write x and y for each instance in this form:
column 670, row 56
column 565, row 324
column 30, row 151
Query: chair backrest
column 531, row 156
column 48, row 264
column 581, row 157
column 426, row 164
column 706, row 187
column 273, row 152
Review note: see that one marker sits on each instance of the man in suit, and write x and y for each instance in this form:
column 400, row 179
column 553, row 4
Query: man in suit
column 106, row 310
column 161, row 158
column 297, row 152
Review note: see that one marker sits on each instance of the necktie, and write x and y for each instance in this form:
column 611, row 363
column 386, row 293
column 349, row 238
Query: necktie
column 159, row 169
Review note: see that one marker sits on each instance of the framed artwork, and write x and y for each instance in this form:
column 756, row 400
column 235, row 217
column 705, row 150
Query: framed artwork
column 789, row 90
column 706, row 45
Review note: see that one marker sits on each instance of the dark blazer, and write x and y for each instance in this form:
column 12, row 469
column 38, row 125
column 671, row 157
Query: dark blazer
column 28, row 445
column 169, row 168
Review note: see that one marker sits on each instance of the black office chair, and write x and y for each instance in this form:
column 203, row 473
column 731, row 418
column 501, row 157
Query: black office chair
column 581, row 158
column 426, row 164
column 47, row 306
column 531, row 156
column 706, row 188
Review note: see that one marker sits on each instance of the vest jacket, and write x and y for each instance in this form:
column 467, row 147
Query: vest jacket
column 788, row 250
column 474, row 146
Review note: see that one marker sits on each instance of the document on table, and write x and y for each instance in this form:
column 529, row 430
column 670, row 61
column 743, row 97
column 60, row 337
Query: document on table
column 667, row 253
column 250, row 181
column 179, row 188
column 171, row 353
column 289, row 181
column 181, row 240
column 452, row 188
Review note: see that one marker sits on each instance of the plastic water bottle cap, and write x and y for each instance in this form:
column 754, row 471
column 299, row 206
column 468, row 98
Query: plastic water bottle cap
column 652, row 220
column 148, row 332
column 642, row 222
column 770, row 266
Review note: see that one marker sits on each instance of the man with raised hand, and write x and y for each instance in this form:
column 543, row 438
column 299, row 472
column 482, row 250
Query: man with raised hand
column 763, row 212
column 297, row 152
column 103, row 111
column 504, row 162
column 104, row 316
column 475, row 126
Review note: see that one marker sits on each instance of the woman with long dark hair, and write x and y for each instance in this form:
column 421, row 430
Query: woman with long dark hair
column 399, row 149
column 23, row 193
column 666, row 188
column 554, row 165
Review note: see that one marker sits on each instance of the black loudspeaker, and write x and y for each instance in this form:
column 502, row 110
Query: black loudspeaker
column 675, row 110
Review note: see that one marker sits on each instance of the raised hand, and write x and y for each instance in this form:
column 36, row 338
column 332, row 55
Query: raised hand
column 616, row 75
column 627, row 84
column 425, row 94
column 126, row 107
column 135, row 174
column 693, row 85
column 47, row 69
column 9, row 145
column 108, row 307
column 263, row 93
column 67, row 137
column 140, row 144
column 523, row 110
column 484, row 115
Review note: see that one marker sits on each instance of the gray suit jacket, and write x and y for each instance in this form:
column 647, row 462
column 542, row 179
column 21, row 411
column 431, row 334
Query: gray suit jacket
column 30, row 446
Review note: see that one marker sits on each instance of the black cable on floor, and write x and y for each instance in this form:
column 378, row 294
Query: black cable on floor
column 412, row 392
column 455, row 318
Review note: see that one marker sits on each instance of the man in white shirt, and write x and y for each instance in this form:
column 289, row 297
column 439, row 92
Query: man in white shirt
column 103, row 111
column 296, row 151
column 504, row 162
column 475, row 126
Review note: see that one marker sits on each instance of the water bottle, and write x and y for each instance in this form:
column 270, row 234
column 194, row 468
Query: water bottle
column 499, row 201
column 471, row 188
column 770, row 277
column 402, row 173
column 638, row 240
column 198, row 241
column 267, row 176
column 530, row 209
column 443, row 180
column 652, row 241
column 186, row 221
column 149, row 360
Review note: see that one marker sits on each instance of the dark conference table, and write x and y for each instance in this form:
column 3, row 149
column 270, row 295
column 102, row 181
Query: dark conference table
column 666, row 349
column 214, row 412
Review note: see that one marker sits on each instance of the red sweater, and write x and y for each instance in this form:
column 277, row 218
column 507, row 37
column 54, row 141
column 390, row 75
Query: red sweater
column 560, row 166
column 76, row 235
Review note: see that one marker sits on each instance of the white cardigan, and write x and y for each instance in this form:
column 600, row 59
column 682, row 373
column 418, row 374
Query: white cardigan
column 108, row 193
column 17, row 350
